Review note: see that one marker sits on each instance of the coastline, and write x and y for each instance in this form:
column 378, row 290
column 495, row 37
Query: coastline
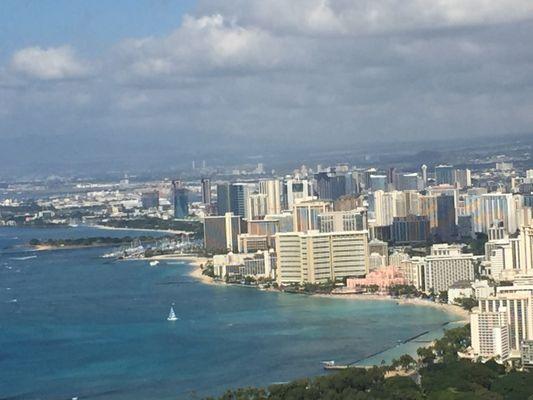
column 451, row 308
column 195, row 261
column 196, row 272
column 114, row 228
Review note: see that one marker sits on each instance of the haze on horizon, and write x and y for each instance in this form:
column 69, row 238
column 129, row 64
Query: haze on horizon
column 93, row 83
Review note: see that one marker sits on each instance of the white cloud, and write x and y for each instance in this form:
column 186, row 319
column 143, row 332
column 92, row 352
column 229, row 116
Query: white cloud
column 368, row 16
column 201, row 44
column 48, row 64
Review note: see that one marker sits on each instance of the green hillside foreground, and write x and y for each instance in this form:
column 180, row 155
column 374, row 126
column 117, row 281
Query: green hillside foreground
column 437, row 374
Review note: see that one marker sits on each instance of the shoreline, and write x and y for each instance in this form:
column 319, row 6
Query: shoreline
column 451, row 308
column 195, row 261
column 114, row 228
column 196, row 272
column 49, row 247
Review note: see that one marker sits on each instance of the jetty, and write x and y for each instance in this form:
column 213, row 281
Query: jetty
column 332, row 366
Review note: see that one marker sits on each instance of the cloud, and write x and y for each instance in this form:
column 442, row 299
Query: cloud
column 51, row 63
column 368, row 16
column 200, row 45
column 319, row 72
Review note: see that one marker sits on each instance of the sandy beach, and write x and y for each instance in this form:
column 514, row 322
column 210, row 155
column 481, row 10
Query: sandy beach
column 451, row 308
column 198, row 262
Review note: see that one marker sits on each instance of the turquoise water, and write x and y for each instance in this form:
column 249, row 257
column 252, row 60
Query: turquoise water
column 83, row 326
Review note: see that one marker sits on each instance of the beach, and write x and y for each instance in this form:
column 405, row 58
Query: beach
column 195, row 261
column 198, row 262
column 451, row 308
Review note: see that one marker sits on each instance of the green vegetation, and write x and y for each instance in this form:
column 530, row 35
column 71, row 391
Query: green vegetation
column 440, row 373
column 477, row 245
column 208, row 270
column 311, row 288
column 467, row 303
column 93, row 241
column 404, row 290
column 195, row 227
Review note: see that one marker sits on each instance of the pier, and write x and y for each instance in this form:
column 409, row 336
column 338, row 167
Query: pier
column 331, row 366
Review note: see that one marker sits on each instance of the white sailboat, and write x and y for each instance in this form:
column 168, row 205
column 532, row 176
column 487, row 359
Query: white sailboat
column 172, row 315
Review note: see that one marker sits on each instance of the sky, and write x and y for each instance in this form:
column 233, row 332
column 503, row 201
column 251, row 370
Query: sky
column 100, row 84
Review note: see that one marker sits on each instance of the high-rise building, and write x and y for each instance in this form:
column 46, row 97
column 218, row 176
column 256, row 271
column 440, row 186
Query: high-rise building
column 388, row 205
column 445, row 175
column 410, row 229
column 294, row 190
column 330, row 186
column 498, row 207
column 446, row 226
column 239, row 199
column 376, row 246
column 424, row 170
column 379, row 182
column 272, row 189
column 257, row 206
column 305, row 214
column 463, row 178
column 487, row 209
column 341, row 221
column 318, row 257
column 206, row 190
column 180, row 200
column 518, row 305
column 150, row 199
column 408, row 182
column 223, row 198
column 489, row 334
column 446, row 266
column 392, row 179
column 221, row 233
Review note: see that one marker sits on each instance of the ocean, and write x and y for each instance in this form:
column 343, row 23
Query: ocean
column 73, row 324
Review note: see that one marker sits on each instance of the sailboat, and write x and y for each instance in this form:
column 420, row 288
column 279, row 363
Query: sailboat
column 172, row 315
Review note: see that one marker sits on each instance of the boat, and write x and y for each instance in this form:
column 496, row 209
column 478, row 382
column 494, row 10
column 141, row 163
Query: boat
column 154, row 263
column 172, row 315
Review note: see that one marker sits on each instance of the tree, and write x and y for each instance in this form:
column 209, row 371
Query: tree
column 406, row 362
column 467, row 303
column 443, row 296
column 426, row 355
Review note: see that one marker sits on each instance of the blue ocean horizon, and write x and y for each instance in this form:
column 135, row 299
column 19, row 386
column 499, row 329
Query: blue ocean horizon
column 75, row 324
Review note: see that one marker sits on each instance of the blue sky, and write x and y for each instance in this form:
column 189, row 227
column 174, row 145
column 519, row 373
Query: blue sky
column 88, row 25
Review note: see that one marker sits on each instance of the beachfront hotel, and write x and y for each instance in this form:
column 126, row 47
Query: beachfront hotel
column 320, row 256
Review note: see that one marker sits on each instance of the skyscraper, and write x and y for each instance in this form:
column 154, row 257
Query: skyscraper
column 379, row 182
column 272, row 189
column 150, row 199
column 223, row 198
column 221, row 232
column 319, row 257
column 293, row 190
column 446, row 227
column 445, row 174
column 330, row 186
column 424, row 170
column 408, row 181
column 463, row 178
column 206, row 191
column 239, row 199
column 180, row 200
column 306, row 214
